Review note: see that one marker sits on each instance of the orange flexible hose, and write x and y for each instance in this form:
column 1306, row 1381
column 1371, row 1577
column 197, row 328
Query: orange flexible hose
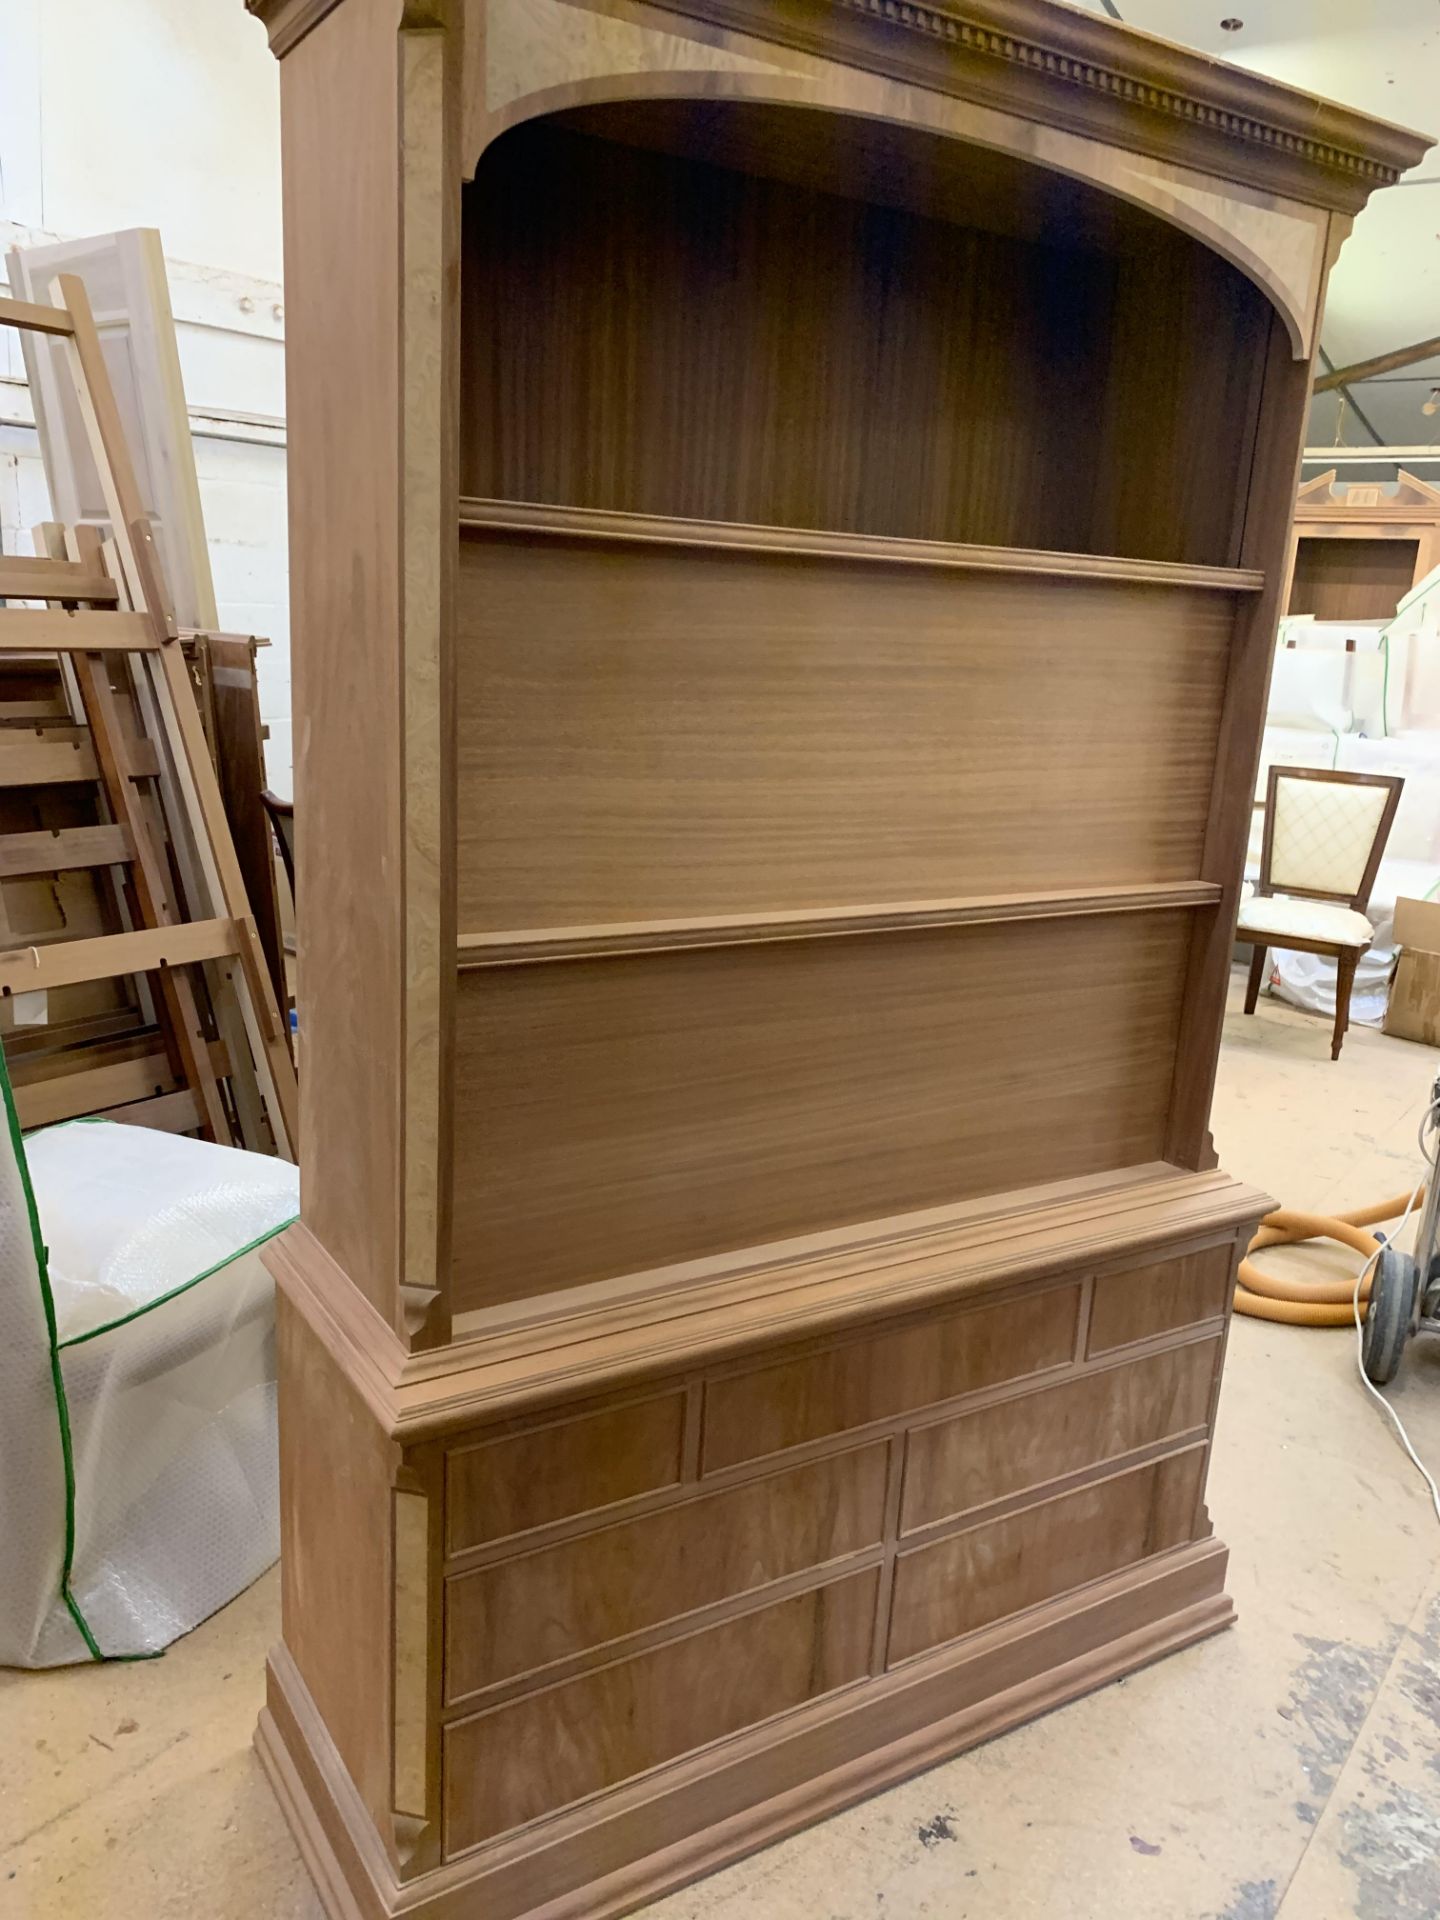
column 1311, row 1303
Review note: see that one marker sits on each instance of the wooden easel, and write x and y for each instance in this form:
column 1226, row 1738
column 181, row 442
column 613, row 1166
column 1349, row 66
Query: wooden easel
column 188, row 925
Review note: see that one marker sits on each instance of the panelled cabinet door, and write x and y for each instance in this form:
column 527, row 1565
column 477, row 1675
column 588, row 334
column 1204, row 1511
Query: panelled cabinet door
column 124, row 275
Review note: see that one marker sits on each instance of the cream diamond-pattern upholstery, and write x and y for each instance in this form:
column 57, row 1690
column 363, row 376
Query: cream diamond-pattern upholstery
column 1305, row 920
column 1323, row 834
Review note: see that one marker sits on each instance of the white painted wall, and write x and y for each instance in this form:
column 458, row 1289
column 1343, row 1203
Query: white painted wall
column 165, row 113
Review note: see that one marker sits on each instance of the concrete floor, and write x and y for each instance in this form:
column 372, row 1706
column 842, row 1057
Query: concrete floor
column 1289, row 1768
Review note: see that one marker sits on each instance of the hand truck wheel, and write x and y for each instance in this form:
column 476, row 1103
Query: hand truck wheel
column 1390, row 1317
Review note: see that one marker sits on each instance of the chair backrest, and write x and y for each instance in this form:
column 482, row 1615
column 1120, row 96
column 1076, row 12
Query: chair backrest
column 282, row 822
column 1325, row 832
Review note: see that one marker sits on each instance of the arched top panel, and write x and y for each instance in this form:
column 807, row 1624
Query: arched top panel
column 777, row 314
column 1279, row 245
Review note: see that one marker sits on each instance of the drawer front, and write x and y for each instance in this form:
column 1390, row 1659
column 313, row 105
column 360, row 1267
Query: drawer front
column 952, row 1466
column 519, row 1614
column 551, row 1748
column 1140, row 1302
column 972, row 1579
column 525, row 1480
column 750, row 1415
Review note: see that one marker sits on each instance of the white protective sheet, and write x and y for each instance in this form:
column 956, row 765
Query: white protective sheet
column 138, row 1471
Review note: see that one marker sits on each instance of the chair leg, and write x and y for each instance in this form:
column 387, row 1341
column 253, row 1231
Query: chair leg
column 1345, row 964
column 1257, row 976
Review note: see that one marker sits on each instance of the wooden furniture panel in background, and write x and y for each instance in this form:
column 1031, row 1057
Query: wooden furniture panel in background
column 548, row 1749
column 337, row 1565
column 623, row 1114
column 1351, row 579
column 969, row 1579
column 809, row 1397
column 523, row 1613
column 649, row 731
column 956, row 1464
column 1141, row 1301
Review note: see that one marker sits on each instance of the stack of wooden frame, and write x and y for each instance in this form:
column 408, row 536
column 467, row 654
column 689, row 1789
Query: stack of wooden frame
column 133, row 978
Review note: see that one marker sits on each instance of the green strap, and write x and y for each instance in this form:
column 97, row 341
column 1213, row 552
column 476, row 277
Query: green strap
column 135, row 1313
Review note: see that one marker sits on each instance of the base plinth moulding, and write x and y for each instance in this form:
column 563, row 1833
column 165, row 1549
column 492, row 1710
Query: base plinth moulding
column 757, row 1788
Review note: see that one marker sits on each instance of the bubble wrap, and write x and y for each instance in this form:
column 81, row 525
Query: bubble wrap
column 164, row 1351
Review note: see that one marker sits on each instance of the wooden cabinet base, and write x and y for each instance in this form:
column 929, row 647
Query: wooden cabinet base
column 607, row 1595
column 615, row 1854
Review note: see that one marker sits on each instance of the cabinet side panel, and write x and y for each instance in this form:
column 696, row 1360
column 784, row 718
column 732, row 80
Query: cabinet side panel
column 335, row 1555
column 342, row 365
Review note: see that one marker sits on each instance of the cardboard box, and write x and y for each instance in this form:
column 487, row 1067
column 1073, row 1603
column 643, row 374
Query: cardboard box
column 1413, row 1011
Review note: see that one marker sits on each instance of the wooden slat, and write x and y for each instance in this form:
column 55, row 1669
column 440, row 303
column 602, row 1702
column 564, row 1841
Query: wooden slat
column 62, row 848
column 140, row 1091
column 43, row 1102
column 197, row 770
column 664, row 936
column 167, row 1113
column 648, row 529
column 26, row 630
column 37, row 319
column 29, row 577
column 151, row 884
column 57, row 754
column 71, row 962
column 46, row 757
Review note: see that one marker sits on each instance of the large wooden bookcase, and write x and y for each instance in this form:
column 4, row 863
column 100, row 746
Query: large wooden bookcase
column 789, row 510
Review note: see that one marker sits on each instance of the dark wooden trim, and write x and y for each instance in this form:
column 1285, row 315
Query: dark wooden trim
column 1112, row 83
column 1378, row 363
column 531, row 945
column 591, row 523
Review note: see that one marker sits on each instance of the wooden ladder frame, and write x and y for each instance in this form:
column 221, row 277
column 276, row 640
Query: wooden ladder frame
column 114, row 601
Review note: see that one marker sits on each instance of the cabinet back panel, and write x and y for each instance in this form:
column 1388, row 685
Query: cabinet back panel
column 615, row 1115
column 660, row 334
column 648, row 732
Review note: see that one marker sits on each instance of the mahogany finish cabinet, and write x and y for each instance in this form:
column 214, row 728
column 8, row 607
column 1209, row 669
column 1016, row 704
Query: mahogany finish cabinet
column 789, row 508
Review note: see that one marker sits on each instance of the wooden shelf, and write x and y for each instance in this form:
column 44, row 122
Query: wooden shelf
column 531, row 945
column 586, row 523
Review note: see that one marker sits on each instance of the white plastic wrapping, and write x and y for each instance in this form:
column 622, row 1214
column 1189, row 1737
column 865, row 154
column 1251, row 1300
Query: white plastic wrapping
column 138, row 1471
